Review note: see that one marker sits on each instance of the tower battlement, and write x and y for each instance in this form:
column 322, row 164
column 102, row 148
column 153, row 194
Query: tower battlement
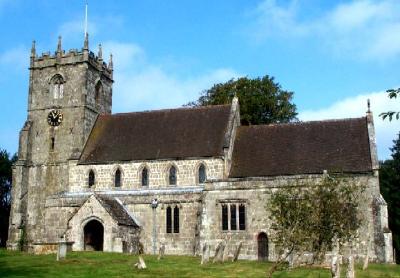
column 72, row 56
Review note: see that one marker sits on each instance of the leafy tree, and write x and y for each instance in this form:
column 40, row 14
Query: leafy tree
column 262, row 100
column 5, row 193
column 313, row 217
column 389, row 179
column 393, row 93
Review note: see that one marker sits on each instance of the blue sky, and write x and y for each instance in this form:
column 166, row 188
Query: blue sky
column 333, row 55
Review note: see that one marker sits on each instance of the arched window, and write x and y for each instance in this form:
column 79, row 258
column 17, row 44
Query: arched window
column 202, row 174
column 117, row 178
column 172, row 175
column 98, row 92
column 91, row 178
column 145, row 177
column 57, row 86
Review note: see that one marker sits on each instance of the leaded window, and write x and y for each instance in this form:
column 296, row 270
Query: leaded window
column 145, row 177
column 172, row 175
column 91, row 178
column 117, row 178
column 169, row 220
column 233, row 216
column 172, row 220
column 202, row 174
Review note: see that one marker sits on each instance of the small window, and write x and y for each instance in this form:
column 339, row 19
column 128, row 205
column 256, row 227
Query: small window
column 172, row 175
column 224, row 217
column 52, row 144
column 145, row 177
column 236, row 213
column 176, row 219
column 91, row 178
column 57, row 86
column 202, row 173
column 117, row 178
column 169, row 220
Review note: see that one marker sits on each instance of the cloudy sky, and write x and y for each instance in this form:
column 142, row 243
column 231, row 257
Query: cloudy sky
column 333, row 55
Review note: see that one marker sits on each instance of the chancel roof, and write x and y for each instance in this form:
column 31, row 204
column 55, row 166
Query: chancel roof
column 302, row 148
column 163, row 134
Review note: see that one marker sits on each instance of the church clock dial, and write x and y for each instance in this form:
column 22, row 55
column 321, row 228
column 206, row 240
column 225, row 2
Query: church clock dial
column 55, row 117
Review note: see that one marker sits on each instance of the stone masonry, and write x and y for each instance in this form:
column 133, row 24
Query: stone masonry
column 69, row 182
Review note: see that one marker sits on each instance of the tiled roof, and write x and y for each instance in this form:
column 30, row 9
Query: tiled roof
column 162, row 134
column 302, row 148
column 116, row 210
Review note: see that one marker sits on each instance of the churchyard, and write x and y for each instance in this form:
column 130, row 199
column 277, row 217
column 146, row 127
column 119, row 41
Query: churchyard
column 101, row 264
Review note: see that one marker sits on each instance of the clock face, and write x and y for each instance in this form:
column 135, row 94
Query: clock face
column 55, row 118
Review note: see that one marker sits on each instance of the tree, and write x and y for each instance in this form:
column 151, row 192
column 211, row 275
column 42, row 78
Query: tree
column 389, row 180
column 393, row 93
column 5, row 193
column 314, row 217
column 262, row 100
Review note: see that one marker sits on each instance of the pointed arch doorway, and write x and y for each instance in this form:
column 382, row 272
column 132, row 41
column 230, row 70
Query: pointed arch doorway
column 93, row 236
column 262, row 243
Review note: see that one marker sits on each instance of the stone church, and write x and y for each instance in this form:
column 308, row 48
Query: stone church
column 179, row 178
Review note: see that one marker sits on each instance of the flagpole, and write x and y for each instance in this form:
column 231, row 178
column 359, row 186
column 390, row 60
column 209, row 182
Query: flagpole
column 86, row 17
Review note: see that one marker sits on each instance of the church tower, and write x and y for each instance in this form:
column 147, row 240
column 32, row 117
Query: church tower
column 67, row 91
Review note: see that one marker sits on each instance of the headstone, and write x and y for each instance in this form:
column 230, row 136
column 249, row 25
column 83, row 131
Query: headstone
column 335, row 267
column 217, row 252
column 237, row 252
column 205, row 255
column 161, row 251
column 350, row 267
column 62, row 250
column 140, row 264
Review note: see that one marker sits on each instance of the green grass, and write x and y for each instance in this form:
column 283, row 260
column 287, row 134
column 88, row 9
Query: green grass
column 98, row 264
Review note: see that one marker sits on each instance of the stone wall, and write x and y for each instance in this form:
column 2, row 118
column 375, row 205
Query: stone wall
column 158, row 170
column 254, row 193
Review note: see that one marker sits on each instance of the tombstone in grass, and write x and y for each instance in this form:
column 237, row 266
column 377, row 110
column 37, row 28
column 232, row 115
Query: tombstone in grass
column 140, row 264
column 219, row 253
column 237, row 252
column 161, row 251
column 205, row 255
column 62, row 249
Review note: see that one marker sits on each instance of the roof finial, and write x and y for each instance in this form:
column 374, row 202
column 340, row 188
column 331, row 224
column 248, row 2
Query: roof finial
column 100, row 54
column 110, row 63
column 86, row 43
column 86, row 18
column 59, row 48
column 33, row 49
column 369, row 106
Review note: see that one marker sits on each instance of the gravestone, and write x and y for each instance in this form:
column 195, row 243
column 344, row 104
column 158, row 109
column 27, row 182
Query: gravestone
column 219, row 252
column 62, row 249
column 237, row 252
column 205, row 256
column 140, row 264
column 161, row 251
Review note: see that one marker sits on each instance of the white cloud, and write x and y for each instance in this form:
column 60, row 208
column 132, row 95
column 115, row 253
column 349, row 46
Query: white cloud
column 356, row 107
column 366, row 29
column 141, row 85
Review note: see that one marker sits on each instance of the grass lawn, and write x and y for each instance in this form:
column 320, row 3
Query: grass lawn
column 98, row 264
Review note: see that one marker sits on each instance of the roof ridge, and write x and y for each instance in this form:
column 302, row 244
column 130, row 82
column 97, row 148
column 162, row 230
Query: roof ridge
column 304, row 122
column 169, row 109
